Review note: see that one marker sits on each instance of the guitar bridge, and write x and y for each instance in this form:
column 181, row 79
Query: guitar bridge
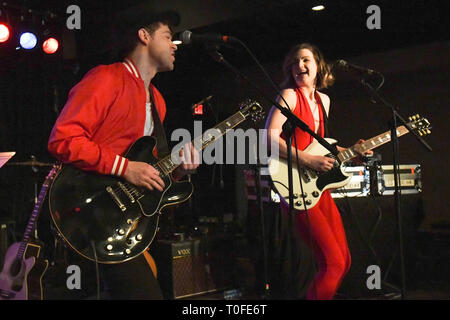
column 127, row 192
column 116, row 198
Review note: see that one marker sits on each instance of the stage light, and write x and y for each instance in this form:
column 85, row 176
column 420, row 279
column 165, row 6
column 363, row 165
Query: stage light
column 318, row 8
column 50, row 45
column 4, row 32
column 28, row 40
column 177, row 42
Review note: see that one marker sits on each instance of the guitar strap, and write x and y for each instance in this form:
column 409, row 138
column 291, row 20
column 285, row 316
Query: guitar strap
column 158, row 131
column 325, row 120
column 163, row 150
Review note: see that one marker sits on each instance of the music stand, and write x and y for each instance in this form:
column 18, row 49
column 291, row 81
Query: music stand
column 5, row 156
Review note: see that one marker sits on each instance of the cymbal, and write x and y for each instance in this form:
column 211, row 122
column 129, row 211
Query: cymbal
column 33, row 163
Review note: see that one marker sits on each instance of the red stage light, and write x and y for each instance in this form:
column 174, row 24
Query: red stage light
column 4, row 33
column 50, row 45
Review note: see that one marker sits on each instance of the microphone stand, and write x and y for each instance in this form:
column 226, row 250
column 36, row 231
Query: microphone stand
column 257, row 174
column 395, row 149
column 289, row 126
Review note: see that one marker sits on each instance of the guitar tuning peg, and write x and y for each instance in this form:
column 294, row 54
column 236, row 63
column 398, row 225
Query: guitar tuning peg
column 428, row 131
column 417, row 115
column 410, row 118
column 420, row 133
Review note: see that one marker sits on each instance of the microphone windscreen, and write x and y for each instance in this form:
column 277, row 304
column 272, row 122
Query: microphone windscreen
column 185, row 37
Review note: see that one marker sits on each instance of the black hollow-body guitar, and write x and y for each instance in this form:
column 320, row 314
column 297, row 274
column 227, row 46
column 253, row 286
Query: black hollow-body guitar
column 108, row 220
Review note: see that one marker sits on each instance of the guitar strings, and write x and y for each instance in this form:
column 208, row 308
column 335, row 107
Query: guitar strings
column 161, row 168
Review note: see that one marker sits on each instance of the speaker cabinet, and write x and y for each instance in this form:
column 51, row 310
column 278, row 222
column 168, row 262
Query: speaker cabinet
column 192, row 267
column 372, row 236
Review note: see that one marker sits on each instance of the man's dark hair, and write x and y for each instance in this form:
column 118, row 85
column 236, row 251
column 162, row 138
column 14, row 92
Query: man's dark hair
column 128, row 24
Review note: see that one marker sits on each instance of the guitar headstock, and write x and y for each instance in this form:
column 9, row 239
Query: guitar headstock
column 51, row 174
column 419, row 124
column 252, row 109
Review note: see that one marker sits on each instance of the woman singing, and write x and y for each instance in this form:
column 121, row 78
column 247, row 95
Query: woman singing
column 305, row 73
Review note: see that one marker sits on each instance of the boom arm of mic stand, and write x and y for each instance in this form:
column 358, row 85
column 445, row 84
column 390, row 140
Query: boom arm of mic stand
column 296, row 122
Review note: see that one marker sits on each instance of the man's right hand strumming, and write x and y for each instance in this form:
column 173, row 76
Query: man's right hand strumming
column 142, row 174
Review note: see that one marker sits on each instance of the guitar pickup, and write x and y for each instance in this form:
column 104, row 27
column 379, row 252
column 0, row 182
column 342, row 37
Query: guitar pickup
column 306, row 174
column 116, row 198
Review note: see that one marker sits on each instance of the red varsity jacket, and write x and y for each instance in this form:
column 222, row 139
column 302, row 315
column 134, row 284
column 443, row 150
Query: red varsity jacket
column 103, row 116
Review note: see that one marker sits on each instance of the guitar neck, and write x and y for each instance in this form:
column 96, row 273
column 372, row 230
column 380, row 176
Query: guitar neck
column 34, row 215
column 201, row 142
column 370, row 144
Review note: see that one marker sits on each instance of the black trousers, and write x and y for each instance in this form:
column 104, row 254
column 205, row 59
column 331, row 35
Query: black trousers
column 130, row 280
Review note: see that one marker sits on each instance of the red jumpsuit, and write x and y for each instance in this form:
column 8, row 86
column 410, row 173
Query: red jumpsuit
column 329, row 242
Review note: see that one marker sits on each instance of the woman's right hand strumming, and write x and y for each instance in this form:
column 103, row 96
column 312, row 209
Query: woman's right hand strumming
column 318, row 163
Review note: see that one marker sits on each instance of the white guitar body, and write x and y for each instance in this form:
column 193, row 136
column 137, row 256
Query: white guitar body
column 14, row 286
column 314, row 183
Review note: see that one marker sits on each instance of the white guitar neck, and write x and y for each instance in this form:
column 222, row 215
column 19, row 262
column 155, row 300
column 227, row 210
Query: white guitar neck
column 370, row 144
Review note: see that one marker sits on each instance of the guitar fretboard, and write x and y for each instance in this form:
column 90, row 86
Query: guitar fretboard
column 166, row 165
column 32, row 221
column 370, row 144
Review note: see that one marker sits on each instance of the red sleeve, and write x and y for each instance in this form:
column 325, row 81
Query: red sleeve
column 86, row 108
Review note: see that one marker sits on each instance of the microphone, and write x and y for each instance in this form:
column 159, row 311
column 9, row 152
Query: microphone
column 201, row 102
column 344, row 65
column 188, row 37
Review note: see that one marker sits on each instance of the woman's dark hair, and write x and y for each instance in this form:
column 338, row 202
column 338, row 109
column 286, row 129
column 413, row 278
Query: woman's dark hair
column 324, row 76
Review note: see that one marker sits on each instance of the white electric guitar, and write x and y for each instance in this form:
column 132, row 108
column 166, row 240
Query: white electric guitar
column 313, row 182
